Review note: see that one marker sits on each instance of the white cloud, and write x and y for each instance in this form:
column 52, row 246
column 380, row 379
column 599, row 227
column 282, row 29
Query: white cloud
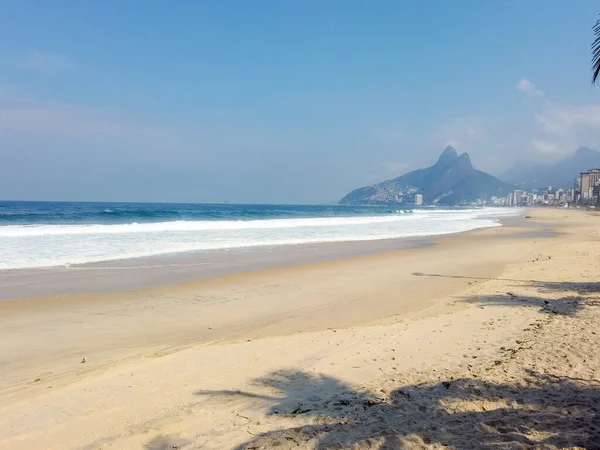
column 45, row 62
column 524, row 85
column 560, row 129
column 564, row 120
column 546, row 147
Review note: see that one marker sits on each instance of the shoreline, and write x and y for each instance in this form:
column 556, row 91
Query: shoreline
column 171, row 365
column 174, row 269
column 46, row 246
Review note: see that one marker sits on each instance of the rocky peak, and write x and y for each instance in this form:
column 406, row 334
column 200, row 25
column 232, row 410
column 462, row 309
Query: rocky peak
column 464, row 161
column 449, row 154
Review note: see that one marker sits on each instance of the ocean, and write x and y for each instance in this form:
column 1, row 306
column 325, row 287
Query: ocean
column 47, row 234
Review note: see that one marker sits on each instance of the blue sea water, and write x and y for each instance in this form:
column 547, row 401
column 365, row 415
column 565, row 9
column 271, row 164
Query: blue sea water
column 71, row 213
column 45, row 234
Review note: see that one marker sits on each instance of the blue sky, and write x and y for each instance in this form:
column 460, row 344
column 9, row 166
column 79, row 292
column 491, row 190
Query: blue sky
column 282, row 101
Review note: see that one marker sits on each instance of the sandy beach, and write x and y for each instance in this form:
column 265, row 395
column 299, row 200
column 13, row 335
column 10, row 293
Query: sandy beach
column 486, row 339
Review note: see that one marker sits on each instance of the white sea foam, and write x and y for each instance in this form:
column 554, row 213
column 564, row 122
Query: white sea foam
column 51, row 245
column 186, row 225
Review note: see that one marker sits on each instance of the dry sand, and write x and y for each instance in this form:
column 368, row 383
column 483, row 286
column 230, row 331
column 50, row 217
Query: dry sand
column 489, row 339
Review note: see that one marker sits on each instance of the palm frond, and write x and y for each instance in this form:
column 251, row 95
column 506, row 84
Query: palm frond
column 596, row 53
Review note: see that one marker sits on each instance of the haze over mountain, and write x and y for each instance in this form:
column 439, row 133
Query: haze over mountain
column 560, row 174
column 451, row 180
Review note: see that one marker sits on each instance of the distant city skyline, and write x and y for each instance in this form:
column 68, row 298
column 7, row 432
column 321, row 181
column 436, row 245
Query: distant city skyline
column 282, row 102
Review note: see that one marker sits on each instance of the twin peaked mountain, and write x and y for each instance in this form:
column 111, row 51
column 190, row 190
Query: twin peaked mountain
column 452, row 180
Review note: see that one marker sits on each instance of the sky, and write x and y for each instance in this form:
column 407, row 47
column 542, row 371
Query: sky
column 294, row 102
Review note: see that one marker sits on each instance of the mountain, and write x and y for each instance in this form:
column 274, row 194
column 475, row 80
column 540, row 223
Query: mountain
column 451, row 180
column 560, row 174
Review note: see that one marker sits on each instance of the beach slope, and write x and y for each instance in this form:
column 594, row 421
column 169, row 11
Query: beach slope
column 487, row 339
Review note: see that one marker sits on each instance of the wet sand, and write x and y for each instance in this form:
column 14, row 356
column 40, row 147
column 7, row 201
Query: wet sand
column 171, row 270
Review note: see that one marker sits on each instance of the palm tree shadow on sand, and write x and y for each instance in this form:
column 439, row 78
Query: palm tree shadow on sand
column 166, row 442
column 543, row 412
column 530, row 410
column 577, row 294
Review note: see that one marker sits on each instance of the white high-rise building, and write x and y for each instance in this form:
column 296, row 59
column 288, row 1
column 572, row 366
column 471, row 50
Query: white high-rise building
column 517, row 197
column 418, row 199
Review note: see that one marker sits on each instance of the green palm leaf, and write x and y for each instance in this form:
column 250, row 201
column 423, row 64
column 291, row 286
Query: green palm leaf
column 596, row 53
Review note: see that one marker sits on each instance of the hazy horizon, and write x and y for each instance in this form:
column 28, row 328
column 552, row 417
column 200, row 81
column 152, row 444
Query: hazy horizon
column 282, row 103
